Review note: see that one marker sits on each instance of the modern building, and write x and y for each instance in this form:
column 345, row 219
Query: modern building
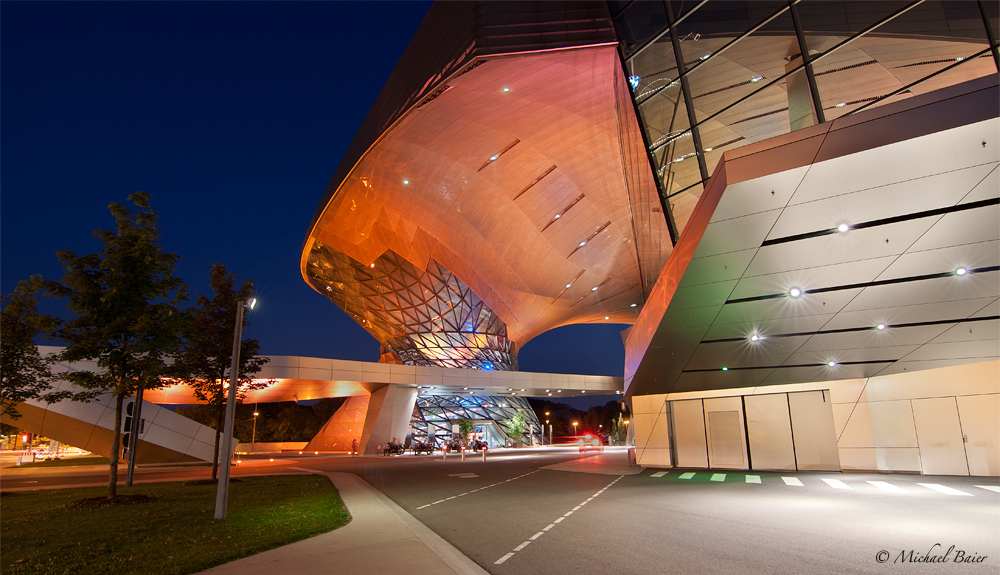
column 796, row 204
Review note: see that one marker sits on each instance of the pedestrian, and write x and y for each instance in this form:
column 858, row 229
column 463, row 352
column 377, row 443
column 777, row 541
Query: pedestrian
column 354, row 447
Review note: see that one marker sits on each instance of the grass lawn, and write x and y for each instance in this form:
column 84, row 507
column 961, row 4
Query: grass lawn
column 43, row 532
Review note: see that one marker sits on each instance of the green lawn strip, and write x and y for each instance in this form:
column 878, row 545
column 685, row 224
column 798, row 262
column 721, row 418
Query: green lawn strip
column 40, row 532
column 68, row 461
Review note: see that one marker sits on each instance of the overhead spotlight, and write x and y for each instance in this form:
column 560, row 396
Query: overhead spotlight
column 880, row 326
column 510, row 389
column 754, row 337
column 961, row 271
column 583, row 243
column 406, row 182
column 550, row 395
column 725, row 369
column 607, row 317
column 546, row 391
column 371, row 265
column 557, row 216
column 558, row 391
column 522, row 390
column 843, row 228
column 832, row 364
column 506, row 89
column 756, row 79
column 466, row 388
column 841, row 105
column 569, row 286
column 795, row 292
column 494, row 157
column 593, row 288
column 709, row 149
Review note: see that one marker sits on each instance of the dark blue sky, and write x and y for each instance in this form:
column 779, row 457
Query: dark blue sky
column 233, row 116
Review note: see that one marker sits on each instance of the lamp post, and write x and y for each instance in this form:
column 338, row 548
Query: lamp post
column 253, row 438
column 226, row 457
column 550, row 428
column 575, row 423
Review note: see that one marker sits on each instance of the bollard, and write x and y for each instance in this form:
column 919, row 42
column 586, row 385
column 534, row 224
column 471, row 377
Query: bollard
column 444, row 455
column 463, row 454
column 484, row 454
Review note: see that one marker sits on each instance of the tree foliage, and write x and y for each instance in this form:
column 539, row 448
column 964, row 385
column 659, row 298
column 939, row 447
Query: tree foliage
column 207, row 352
column 24, row 373
column 125, row 299
column 516, row 424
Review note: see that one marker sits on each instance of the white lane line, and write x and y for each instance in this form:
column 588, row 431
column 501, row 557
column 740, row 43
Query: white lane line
column 502, row 559
column 990, row 487
column 887, row 487
column 553, row 524
column 792, row 481
column 687, row 475
column 943, row 489
column 718, row 477
column 659, row 474
column 836, row 483
column 753, row 479
column 478, row 489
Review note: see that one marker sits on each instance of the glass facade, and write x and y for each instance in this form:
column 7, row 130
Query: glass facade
column 708, row 77
column 434, row 415
column 420, row 317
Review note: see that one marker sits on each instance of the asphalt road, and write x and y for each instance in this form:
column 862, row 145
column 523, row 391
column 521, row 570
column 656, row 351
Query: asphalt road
column 511, row 516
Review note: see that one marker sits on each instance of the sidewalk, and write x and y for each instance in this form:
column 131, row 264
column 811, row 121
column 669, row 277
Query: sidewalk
column 381, row 538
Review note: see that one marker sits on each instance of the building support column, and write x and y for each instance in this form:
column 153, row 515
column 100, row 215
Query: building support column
column 390, row 408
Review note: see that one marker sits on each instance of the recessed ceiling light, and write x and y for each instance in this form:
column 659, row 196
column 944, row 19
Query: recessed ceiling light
column 841, row 105
column 795, row 292
column 557, row 216
column 510, row 389
column 960, row 58
column 709, row 149
column 583, row 243
column 406, row 182
column 494, row 157
column 607, row 317
column 506, row 89
column 569, row 286
column 754, row 337
column 756, row 78
column 558, row 391
column 593, row 288
column 880, row 326
column 522, row 390
column 725, row 369
column 550, row 395
column 633, row 305
column 843, row 228
column 546, row 391
column 371, row 265
column 466, row 388
column 832, row 364
column 961, row 271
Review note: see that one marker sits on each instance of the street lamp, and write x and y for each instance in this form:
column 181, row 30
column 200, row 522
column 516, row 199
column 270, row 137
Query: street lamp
column 253, row 438
column 226, row 457
column 575, row 423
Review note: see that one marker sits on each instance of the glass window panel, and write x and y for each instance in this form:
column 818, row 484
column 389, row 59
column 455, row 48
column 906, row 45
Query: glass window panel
column 639, row 22
column 743, row 68
column 843, row 18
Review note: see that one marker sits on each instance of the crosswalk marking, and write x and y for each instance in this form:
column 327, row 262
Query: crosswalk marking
column 753, row 479
column 990, row 487
column 792, row 481
column 837, row 484
column 888, row 487
column 687, row 475
column 659, row 474
column 718, row 477
column 943, row 489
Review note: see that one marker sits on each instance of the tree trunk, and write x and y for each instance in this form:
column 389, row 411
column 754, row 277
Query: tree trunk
column 115, row 447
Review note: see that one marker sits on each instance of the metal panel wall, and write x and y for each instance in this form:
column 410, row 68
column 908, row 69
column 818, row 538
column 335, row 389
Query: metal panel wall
column 939, row 436
column 726, row 439
column 689, row 433
column 769, row 430
column 813, row 431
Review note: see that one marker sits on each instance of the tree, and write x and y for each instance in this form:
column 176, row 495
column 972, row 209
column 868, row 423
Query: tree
column 125, row 298
column 465, row 427
column 24, row 373
column 516, row 425
column 207, row 353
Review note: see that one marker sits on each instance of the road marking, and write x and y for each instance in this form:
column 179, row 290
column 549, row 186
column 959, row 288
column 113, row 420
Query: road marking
column 943, row 489
column 887, row 487
column 792, row 481
column 836, row 484
column 753, row 479
column 718, row 477
column 553, row 524
column 990, row 487
column 477, row 489
column 659, row 474
column 687, row 475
